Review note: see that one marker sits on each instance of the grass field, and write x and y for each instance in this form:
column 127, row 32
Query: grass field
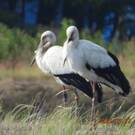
column 22, row 86
column 65, row 121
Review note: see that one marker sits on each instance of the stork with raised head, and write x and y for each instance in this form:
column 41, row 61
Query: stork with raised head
column 49, row 59
column 94, row 62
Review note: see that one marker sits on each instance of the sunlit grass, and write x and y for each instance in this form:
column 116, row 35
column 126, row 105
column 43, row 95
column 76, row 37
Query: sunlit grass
column 63, row 121
column 128, row 68
column 21, row 72
column 25, row 71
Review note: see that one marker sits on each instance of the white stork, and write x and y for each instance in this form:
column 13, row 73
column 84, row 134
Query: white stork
column 94, row 63
column 49, row 59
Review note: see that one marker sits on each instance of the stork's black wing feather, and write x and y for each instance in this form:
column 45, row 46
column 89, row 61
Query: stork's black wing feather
column 81, row 84
column 114, row 75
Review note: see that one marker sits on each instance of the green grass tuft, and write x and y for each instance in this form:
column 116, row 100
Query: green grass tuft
column 62, row 121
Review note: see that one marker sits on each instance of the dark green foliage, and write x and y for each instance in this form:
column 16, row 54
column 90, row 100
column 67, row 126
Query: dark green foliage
column 62, row 32
column 15, row 43
column 19, row 45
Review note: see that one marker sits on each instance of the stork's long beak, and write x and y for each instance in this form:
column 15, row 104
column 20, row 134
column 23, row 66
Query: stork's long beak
column 33, row 61
column 71, row 37
column 64, row 61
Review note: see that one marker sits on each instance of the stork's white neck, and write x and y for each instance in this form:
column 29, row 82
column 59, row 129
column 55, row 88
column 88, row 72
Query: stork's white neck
column 43, row 49
column 69, row 48
column 40, row 52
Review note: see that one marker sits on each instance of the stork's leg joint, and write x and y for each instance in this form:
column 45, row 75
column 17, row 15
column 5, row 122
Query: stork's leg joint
column 76, row 96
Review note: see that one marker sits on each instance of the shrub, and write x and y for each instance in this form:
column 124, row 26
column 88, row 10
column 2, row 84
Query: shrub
column 15, row 43
column 62, row 33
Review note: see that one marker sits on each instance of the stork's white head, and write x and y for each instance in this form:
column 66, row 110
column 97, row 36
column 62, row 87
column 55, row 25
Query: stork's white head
column 47, row 40
column 47, row 37
column 72, row 33
column 72, row 41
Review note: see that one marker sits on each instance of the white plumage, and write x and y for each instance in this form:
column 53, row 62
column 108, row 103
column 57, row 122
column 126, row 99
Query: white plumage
column 51, row 63
column 49, row 59
column 53, row 60
column 93, row 62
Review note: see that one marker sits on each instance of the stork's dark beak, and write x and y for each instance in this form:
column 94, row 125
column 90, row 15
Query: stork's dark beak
column 71, row 37
column 64, row 61
column 33, row 61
